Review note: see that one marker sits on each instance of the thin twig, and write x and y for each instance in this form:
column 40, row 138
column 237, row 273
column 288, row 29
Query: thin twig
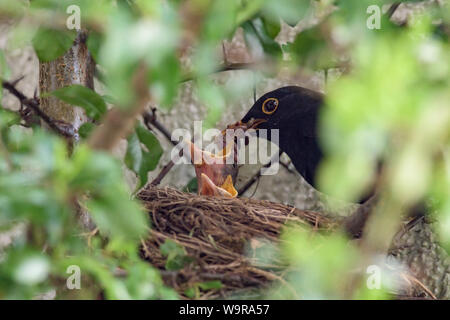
column 164, row 171
column 223, row 68
column 34, row 105
column 392, row 9
column 410, row 278
column 150, row 120
column 224, row 52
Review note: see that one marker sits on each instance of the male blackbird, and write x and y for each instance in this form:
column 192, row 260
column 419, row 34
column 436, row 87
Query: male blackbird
column 294, row 112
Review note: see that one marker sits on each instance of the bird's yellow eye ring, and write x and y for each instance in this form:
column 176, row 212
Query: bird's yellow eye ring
column 270, row 105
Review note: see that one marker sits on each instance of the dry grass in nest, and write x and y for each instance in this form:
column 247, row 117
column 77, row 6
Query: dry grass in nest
column 215, row 232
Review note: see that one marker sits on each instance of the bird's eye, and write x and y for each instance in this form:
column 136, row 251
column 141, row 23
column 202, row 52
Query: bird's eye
column 270, row 105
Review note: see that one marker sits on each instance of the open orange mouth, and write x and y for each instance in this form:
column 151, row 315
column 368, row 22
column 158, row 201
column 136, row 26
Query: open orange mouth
column 214, row 175
column 213, row 171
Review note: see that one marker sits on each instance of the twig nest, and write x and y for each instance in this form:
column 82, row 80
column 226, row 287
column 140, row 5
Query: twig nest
column 215, row 232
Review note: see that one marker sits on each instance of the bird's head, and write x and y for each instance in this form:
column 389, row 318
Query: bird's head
column 278, row 109
column 293, row 112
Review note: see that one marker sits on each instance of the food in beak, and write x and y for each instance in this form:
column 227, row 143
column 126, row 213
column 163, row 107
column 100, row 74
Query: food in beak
column 251, row 124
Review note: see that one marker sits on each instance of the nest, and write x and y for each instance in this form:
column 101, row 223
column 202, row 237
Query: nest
column 216, row 233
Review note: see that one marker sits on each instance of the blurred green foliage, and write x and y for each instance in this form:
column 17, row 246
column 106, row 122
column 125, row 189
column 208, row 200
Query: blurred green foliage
column 318, row 267
column 39, row 183
column 81, row 96
column 175, row 254
column 392, row 101
column 143, row 153
column 194, row 291
column 50, row 44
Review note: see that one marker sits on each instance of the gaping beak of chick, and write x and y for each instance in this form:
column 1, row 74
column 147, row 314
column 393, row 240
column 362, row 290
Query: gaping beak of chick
column 214, row 176
column 208, row 188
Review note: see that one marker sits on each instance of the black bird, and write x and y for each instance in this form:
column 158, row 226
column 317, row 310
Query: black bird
column 294, row 111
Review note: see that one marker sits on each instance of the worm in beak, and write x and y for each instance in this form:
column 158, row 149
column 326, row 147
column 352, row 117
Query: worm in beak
column 251, row 124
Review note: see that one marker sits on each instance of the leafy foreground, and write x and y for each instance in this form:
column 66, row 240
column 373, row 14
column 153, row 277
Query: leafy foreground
column 43, row 190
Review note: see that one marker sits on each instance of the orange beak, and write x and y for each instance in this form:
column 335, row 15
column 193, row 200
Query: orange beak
column 208, row 188
column 214, row 175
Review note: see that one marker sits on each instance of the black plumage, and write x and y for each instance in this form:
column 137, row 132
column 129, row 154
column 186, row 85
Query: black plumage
column 294, row 111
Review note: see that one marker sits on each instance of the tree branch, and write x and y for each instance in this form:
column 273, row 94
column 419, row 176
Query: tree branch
column 164, row 171
column 150, row 120
column 392, row 9
column 225, row 67
column 34, row 105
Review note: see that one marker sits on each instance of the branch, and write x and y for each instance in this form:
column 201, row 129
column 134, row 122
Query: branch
column 392, row 9
column 34, row 105
column 355, row 223
column 150, row 120
column 164, row 171
column 225, row 67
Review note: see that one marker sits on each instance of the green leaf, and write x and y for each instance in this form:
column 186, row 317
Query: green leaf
column 165, row 80
column 192, row 186
column 176, row 255
column 6, row 117
column 149, row 162
column 248, row 10
column 85, row 130
column 133, row 157
column 109, row 99
column 290, row 11
column 109, row 202
column 117, row 217
column 94, row 43
column 149, row 140
column 50, row 44
column 311, row 49
column 57, row 5
column 5, row 71
column 272, row 27
column 254, row 32
column 208, row 285
column 190, row 292
column 84, row 97
column 170, row 247
column 178, row 262
column 139, row 160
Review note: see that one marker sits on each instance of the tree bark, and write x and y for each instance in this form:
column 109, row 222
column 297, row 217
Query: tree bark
column 76, row 66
